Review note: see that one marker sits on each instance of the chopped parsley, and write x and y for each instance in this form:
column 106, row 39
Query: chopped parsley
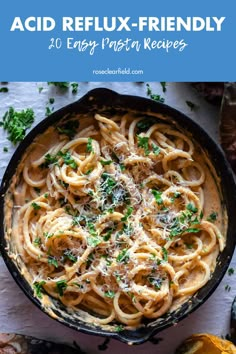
column 74, row 86
column 122, row 166
column 175, row 196
column 69, row 255
column 144, row 124
column 49, row 160
column 4, row 89
column 68, row 160
column 184, row 223
column 230, row 271
column 61, row 286
column 35, row 206
column 48, row 235
column 65, row 85
column 192, row 208
column 88, row 171
column 89, row 259
column 108, row 183
column 51, row 100
column 123, row 256
column 106, row 162
column 213, row 216
column 61, row 85
column 95, row 239
column 37, row 241
column 89, row 147
column 16, row 123
column 154, row 96
column 156, row 149
column 119, row 328
column 191, row 229
column 143, row 143
column 48, row 111
column 163, row 85
column 156, row 282
column 53, row 261
column 227, row 287
column 191, row 105
column 40, row 89
column 5, row 149
column 69, row 128
column 110, row 294
column 165, row 254
column 108, row 234
column 127, row 214
column 38, row 287
column 63, row 184
column 157, row 195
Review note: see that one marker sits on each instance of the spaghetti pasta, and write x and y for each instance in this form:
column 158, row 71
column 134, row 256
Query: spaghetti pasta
column 115, row 220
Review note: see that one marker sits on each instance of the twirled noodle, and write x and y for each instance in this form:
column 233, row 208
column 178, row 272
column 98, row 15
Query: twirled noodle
column 118, row 219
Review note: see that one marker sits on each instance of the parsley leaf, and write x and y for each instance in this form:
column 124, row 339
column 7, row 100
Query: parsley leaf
column 61, row 85
column 68, row 254
column 109, row 183
column 157, row 195
column 191, row 208
column 156, row 282
column 110, row 294
column 154, row 96
column 37, row 241
column 95, row 240
column 49, row 160
column 35, row 206
column 165, row 254
column 89, row 147
column 213, row 216
column 74, row 86
column 156, row 149
column 144, row 124
column 16, row 123
column 143, row 143
column 191, row 105
column 66, row 156
column 69, row 128
column 127, row 214
column 61, row 286
column 48, row 111
column 106, row 162
column 119, row 328
column 123, row 256
column 4, row 89
column 38, row 287
column 163, row 85
column 52, row 261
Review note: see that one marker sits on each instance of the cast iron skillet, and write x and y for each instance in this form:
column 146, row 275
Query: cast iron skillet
column 106, row 100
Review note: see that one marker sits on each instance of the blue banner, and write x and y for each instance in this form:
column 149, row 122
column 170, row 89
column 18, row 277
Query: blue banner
column 117, row 41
